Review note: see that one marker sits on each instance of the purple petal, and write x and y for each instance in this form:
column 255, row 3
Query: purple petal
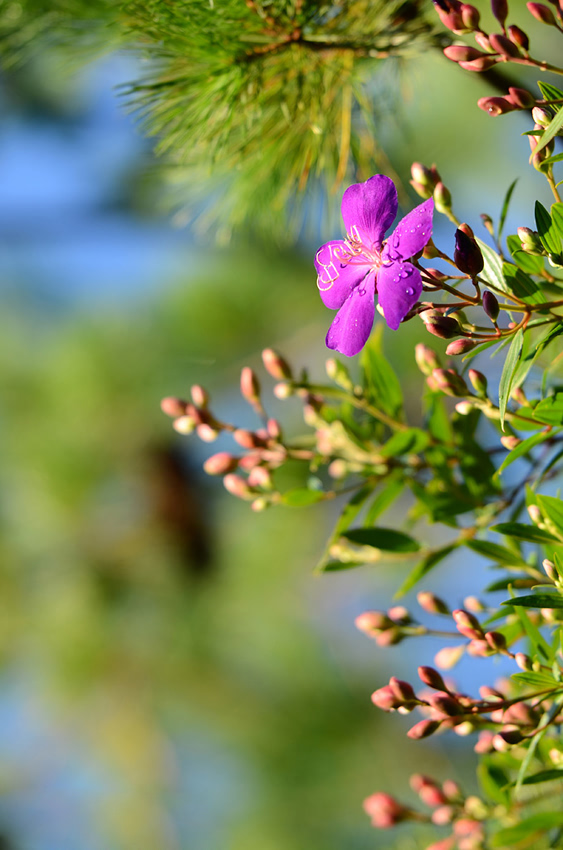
column 398, row 289
column 335, row 277
column 352, row 324
column 369, row 209
column 411, row 234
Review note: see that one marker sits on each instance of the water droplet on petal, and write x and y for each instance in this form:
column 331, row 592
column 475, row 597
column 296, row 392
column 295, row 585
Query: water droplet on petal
column 361, row 292
column 409, row 290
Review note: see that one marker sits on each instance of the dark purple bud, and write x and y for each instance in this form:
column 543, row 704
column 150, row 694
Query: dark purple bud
column 500, row 10
column 467, row 254
column 462, row 53
column 501, row 44
column 444, row 327
column 423, row 729
column 542, row 13
column 518, row 36
column 470, row 16
column 459, row 346
column 520, row 98
column 490, row 305
column 479, row 65
column 511, row 735
column 496, row 105
column 429, row 676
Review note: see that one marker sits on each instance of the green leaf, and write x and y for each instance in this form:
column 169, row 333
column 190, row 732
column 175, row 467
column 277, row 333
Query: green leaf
column 508, row 373
column 409, row 441
column 551, row 160
column 335, row 566
column 547, row 231
column 301, row 496
column 391, row 489
column 540, row 343
column 536, row 600
column 552, row 509
column 505, row 206
column 549, row 133
column 493, row 781
column 492, row 270
column 521, row 285
column 525, row 532
column 544, row 776
column 497, row 553
column 549, row 91
column 529, row 263
column 541, row 730
column 557, row 211
column 550, row 410
column 381, row 385
column 347, row 517
column 534, row 635
column 423, row 568
column 510, row 836
column 386, row 539
column 523, row 448
column 537, row 681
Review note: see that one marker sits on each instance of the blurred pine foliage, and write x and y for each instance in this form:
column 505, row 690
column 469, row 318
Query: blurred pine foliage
column 253, row 103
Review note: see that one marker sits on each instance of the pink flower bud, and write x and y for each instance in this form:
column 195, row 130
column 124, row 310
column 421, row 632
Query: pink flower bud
column 274, row 429
column 260, row 504
column 470, row 16
column 521, row 714
column 542, row 13
column 276, row 366
column 444, row 844
column 467, row 624
column 390, row 637
column 249, row 385
column 260, row 477
column 541, row 116
column 426, row 359
column 500, row 10
column 443, row 815
column 510, row 734
column 550, row 569
column 478, row 382
column 450, row 14
column 207, row 433
column 471, row 603
column 496, row 641
column 459, row 346
column 462, row 53
column 400, row 615
column 283, row 390
column 519, row 38
column 431, row 795
column 442, row 196
column 220, row 464
column 402, row 690
column 444, row 327
column 371, row 621
column 423, row 729
column 432, row 678
column 247, row 439
column 510, row 442
column 386, row 698
column 496, row 105
column 520, row 97
column 200, row 397
column 448, row 657
column 424, row 176
column 452, row 790
column 490, row 694
column 445, row 704
column 485, row 742
column 431, row 603
column 449, row 382
column 478, row 648
column 524, row 662
column 173, row 406
column 238, row 487
column 184, row 425
column 384, row 810
column 501, row 44
column 479, row 65
column 482, row 41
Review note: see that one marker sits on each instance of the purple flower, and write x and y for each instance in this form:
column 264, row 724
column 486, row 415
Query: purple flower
column 350, row 271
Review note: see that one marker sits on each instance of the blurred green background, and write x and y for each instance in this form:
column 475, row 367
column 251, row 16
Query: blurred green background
column 173, row 675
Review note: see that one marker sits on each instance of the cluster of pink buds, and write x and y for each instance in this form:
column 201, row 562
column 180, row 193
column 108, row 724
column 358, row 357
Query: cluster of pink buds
column 387, row 628
column 450, row 807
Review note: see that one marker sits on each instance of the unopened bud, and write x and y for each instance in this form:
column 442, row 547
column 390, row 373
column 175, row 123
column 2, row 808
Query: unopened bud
column 464, row 728
column 238, row 487
column 200, row 396
column 541, row 116
column 479, row 65
column 444, row 327
column 471, row 603
column 521, row 98
column 249, row 386
column 384, row 810
column 534, row 513
column 478, row 648
column 462, row 53
column 402, row 690
column 459, row 346
column 519, row 38
column 485, row 742
column 449, row 382
column 482, row 41
column 530, row 240
column 442, row 198
column 184, row 425
column 550, row 569
column 511, row 735
column 274, row 430
column 452, row 790
column 470, row 16
column 430, row 251
column 423, row 176
column 510, row 441
column 338, row 469
column 431, row 603
column 260, row 504
column 372, row 621
column 423, row 729
column 283, row 390
column 464, row 408
column 478, row 382
column 490, row 694
column 445, row 704
column 173, row 406
column 488, row 223
column 450, row 14
column 390, row 637
column 499, row 9
column 501, row 44
column 467, row 624
column 432, row 678
column 260, row 476
column 448, row 657
column 431, row 795
column 496, row 641
column 207, row 432
column 276, row 366
column 220, row 464
column 338, row 373
column 386, row 699
column 490, row 305
column 542, row 13
column 400, row 615
column 421, row 190
column 247, row 439
column 467, row 254
column 496, row 105
column 426, row 359
column 524, row 662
